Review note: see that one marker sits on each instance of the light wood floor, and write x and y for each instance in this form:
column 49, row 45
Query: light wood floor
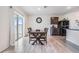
column 56, row 44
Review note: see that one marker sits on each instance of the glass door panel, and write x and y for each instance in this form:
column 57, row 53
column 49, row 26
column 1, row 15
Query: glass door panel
column 20, row 27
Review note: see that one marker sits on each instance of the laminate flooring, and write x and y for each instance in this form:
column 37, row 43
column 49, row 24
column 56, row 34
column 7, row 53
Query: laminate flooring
column 55, row 44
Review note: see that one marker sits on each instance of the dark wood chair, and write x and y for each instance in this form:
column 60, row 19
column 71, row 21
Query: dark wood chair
column 31, row 37
column 29, row 29
column 44, row 36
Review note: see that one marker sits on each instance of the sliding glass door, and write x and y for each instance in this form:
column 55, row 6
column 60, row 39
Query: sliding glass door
column 18, row 26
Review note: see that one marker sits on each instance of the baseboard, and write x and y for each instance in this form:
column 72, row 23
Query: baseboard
column 4, row 50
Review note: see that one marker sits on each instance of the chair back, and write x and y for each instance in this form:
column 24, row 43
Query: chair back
column 37, row 30
column 46, row 29
column 29, row 30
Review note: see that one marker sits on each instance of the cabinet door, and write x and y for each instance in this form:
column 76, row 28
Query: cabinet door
column 54, row 20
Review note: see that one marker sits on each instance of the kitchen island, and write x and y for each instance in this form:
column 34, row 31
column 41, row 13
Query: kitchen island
column 72, row 35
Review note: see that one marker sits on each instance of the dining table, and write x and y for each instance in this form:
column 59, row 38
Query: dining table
column 37, row 35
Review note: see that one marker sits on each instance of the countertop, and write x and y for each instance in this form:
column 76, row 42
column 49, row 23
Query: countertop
column 74, row 29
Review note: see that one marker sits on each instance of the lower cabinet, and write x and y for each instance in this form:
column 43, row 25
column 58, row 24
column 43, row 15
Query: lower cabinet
column 54, row 31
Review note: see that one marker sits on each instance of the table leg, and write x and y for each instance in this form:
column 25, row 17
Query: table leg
column 40, row 41
column 37, row 39
column 34, row 42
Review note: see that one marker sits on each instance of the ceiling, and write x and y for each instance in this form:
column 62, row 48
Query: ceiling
column 49, row 10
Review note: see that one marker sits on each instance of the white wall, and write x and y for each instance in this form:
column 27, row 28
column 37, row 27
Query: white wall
column 45, row 22
column 4, row 28
column 72, row 17
column 26, row 24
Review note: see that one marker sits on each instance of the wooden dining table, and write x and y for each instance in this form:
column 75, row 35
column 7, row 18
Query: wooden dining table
column 37, row 35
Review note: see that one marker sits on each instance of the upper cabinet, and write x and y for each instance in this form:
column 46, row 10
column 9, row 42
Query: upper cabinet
column 54, row 20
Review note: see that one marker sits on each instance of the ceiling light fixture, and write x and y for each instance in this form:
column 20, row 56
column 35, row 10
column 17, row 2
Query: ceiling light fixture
column 69, row 7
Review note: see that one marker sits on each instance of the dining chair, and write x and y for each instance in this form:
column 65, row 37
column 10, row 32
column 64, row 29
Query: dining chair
column 44, row 36
column 30, row 35
column 29, row 29
column 46, row 29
